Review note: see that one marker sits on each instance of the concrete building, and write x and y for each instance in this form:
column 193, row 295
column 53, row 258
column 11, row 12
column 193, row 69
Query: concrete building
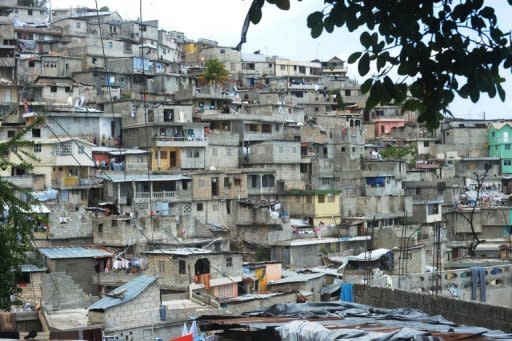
column 81, row 264
column 216, row 273
column 309, row 252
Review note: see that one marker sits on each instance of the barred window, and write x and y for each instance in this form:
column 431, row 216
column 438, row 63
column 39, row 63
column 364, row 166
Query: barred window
column 63, row 149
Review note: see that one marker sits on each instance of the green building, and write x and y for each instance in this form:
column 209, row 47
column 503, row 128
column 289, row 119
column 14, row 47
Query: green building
column 499, row 139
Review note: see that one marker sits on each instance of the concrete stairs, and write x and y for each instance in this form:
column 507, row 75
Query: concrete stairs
column 59, row 291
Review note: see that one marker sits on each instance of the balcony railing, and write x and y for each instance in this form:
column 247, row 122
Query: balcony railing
column 164, row 195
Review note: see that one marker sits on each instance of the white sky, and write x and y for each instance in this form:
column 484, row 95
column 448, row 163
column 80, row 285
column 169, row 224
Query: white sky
column 282, row 33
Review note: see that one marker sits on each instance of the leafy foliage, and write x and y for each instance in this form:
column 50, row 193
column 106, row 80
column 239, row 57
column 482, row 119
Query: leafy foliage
column 438, row 48
column 396, row 153
column 16, row 225
column 214, row 72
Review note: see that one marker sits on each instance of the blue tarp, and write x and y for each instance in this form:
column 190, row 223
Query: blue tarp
column 346, row 293
column 375, row 181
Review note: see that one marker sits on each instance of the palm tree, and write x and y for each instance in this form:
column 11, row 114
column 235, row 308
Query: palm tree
column 214, row 73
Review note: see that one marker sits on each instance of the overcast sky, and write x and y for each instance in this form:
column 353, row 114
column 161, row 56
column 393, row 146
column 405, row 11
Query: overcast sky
column 282, row 33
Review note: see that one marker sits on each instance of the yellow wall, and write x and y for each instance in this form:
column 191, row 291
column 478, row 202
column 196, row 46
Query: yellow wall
column 190, row 48
column 164, row 163
column 327, row 209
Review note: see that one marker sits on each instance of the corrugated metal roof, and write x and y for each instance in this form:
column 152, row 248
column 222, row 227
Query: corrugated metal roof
column 142, row 177
column 73, row 252
column 32, row 268
column 124, row 293
column 186, row 251
column 297, row 278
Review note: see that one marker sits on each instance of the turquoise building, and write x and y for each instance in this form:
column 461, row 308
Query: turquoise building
column 499, row 140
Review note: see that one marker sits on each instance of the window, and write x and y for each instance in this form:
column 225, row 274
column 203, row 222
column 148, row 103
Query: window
column 53, row 88
column 182, row 267
column 100, row 228
column 227, row 182
column 237, row 181
column 29, row 12
column 199, row 206
column 347, row 93
column 77, row 25
column 110, row 44
column 161, row 266
column 36, row 132
column 11, row 133
column 433, row 209
column 507, row 162
column 507, row 146
column 37, row 148
column 267, row 180
column 353, row 149
column 163, row 154
column 229, row 262
column 321, row 198
column 426, row 143
column 31, row 63
column 493, row 134
column 114, row 223
column 282, row 67
column 63, row 149
column 67, row 89
column 342, row 149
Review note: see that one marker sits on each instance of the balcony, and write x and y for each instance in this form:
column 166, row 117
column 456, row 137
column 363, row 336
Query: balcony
column 71, row 182
column 188, row 141
column 20, row 181
column 163, row 196
column 304, row 86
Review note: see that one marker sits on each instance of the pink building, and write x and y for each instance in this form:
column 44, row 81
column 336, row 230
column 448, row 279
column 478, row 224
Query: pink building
column 385, row 125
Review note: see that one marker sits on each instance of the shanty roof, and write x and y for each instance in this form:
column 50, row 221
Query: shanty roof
column 124, row 293
column 73, row 252
column 118, row 151
column 186, row 251
column 297, row 278
column 316, row 241
column 344, row 320
column 142, row 177
column 32, row 268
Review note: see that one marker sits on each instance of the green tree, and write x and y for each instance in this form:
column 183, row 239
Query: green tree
column 214, row 73
column 438, row 48
column 16, row 225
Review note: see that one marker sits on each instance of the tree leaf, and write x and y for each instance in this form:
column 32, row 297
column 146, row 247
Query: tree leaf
column 382, row 59
column 365, row 39
column 353, row 57
column 283, row 4
column 316, row 30
column 364, row 64
column 328, row 25
column 501, row 92
column 314, row 18
column 255, row 13
column 365, row 87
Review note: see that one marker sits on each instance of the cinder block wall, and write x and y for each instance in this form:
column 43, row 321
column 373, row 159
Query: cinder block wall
column 458, row 311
